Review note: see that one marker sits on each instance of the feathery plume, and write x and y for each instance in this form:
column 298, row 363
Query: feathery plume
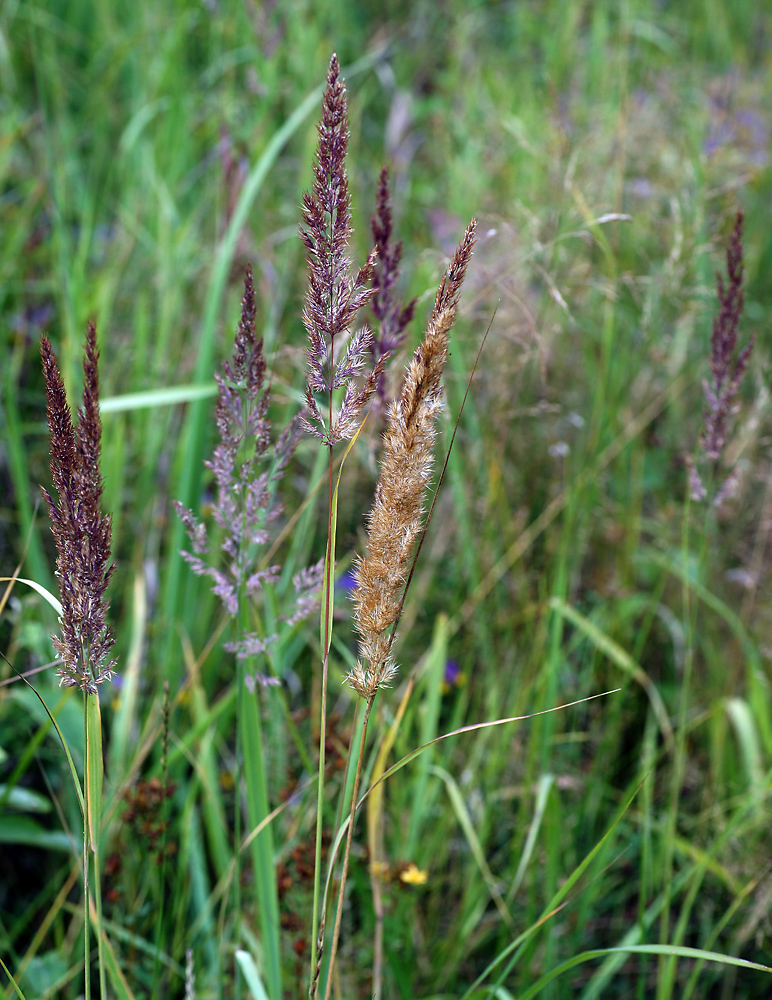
column 245, row 497
column 395, row 521
column 726, row 372
column 392, row 318
column 333, row 297
column 81, row 531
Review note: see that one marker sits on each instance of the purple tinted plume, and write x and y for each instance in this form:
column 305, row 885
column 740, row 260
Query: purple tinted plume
column 81, row 531
column 334, row 297
column 727, row 371
column 245, row 501
column 392, row 318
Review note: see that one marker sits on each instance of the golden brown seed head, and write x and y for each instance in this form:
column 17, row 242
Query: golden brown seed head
column 396, row 519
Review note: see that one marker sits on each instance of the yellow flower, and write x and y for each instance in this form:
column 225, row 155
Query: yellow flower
column 379, row 869
column 412, row 875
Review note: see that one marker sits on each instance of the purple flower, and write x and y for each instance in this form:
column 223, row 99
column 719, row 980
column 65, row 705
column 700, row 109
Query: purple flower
column 346, row 582
column 453, row 677
column 452, row 670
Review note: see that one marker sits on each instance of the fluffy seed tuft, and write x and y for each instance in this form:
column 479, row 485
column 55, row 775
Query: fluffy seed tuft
column 396, row 519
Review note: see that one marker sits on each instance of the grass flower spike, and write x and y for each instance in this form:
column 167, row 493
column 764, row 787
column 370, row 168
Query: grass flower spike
column 245, row 501
column 726, row 372
column 396, row 519
column 334, row 298
column 392, row 318
column 81, row 531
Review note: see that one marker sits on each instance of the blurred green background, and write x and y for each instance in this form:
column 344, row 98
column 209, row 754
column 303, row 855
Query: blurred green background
column 149, row 151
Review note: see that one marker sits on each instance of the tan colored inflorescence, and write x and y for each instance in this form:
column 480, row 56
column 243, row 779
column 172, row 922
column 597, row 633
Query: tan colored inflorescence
column 396, row 519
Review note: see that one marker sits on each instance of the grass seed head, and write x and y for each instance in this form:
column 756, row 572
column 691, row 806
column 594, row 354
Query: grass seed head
column 247, row 465
column 391, row 316
column 81, row 531
column 396, row 519
column 334, row 297
column 727, row 371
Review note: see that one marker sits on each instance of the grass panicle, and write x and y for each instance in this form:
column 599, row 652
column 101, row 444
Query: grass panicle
column 395, row 524
column 334, row 298
column 727, row 371
column 391, row 316
column 246, row 468
column 81, row 531
column 396, row 519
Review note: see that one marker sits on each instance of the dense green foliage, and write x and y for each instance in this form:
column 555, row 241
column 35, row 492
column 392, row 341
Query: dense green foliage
column 605, row 148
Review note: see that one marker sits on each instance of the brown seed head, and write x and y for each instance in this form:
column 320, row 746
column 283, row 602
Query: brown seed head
column 396, row 519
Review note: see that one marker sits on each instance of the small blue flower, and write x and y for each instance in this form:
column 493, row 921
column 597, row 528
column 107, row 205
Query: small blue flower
column 452, row 670
column 453, row 677
column 347, row 583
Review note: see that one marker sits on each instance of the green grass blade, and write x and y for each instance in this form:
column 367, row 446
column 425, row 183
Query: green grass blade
column 328, row 592
column 434, row 675
column 117, row 979
column 546, row 782
column 758, row 684
column 465, row 821
column 55, row 603
column 26, row 831
column 741, row 717
column 261, row 848
column 555, row 904
column 94, row 783
column 13, row 981
column 474, row 728
column 94, row 767
column 614, row 962
column 151, row 399
column 445, row 736
column 251, row 975
column 70, row 762
column 674, row 951
column 126, row 715
column 606, row 645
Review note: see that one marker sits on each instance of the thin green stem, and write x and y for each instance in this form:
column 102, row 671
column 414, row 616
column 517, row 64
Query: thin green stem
column 318, row 920
column 347, row 854
column 100, row 938
column 86, row 967
column 238, row 777
column 667, row 965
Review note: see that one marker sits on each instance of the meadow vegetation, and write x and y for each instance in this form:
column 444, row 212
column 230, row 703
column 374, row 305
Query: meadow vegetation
column 603, row 525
